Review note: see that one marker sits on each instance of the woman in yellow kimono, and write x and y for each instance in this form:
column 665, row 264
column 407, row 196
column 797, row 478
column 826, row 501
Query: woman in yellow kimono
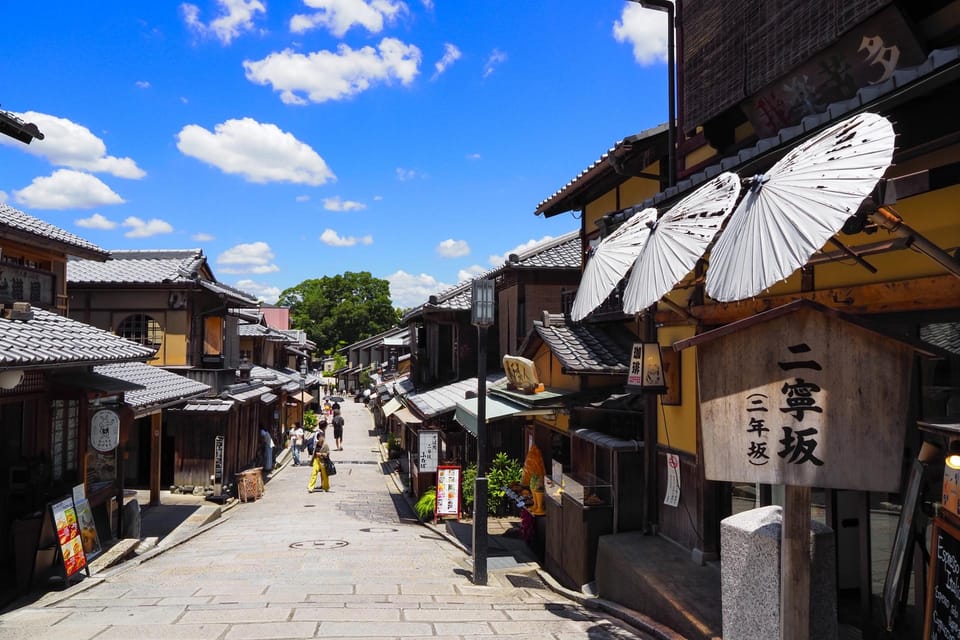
column 320, row 454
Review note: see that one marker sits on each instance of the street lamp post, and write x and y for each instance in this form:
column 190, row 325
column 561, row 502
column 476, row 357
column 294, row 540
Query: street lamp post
column 482, row 310
column 667, row 5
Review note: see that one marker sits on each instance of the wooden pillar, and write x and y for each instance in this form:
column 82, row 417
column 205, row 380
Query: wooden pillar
column 156, row 433
column 795, row 565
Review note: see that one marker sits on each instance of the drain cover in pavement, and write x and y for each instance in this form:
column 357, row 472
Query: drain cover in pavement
column 378, row 530
column 319, row 544
column 524, row 582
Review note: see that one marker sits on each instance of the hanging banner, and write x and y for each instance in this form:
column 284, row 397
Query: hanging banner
column 448, row 491
column 68, row 535
column 672, row 498
column 429, row 451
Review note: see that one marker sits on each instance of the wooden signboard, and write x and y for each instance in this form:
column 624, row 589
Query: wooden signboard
column 942, row 615
column 448, row 491
column 803, row 397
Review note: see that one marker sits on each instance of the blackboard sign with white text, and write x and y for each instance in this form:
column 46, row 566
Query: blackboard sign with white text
column 942, row 619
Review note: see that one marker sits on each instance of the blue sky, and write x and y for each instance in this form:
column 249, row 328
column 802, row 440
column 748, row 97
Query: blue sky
column 292, row 140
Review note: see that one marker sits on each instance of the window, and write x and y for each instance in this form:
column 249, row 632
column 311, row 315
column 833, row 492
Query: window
column 143, row 329
column 64, row 435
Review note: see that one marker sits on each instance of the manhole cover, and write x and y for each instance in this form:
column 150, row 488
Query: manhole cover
column 378, row 530
column 319, row 544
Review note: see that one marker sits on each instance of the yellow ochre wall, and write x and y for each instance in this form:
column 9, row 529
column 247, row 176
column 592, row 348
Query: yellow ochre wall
column 677, row 425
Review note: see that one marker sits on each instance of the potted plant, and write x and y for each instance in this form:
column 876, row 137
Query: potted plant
column 426, row 505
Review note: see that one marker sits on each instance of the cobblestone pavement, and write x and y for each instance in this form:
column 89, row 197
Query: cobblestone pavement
column 351, row 563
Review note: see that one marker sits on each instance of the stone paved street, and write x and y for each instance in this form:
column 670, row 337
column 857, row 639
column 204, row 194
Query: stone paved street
column 352, row 563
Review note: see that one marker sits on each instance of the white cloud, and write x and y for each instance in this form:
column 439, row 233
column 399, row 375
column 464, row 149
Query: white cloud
column 334, row 239
column 252, row 257
column 496, row 57
column 428, row 4
column 470, row 272
column 236, row 17
column 3, row 196
column 473, row 156
column 202, row 237
column 303, row 198
column 265, row 292
column 408, row 290
column 336, row 204
column 142, row 84
column 451, row 248
column 450, row 55
column 498, row 260
column 257, row 151
column 377, row 198
column 67, row 189
column 338, row 16
column 404, row 175
column 145, row 229
column 96, row 221
column 328, row 75
column 72, row 145
column 645, row 30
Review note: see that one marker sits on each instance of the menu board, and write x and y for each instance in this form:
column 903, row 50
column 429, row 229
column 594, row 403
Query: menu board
column 942, row 619
column 68, row 535
column 448, row 491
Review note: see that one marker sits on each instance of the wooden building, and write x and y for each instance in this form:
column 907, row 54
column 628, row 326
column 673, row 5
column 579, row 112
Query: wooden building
column 754, row 81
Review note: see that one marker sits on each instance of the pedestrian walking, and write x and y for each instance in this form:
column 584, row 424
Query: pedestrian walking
column 338, row 430
column 267, row 443
column 321, row 453
column 296, row 443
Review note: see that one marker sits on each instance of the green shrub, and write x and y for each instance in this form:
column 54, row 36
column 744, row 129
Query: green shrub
column 426, row 505
column 504, row 472
column 469, row 477
column 310, row 420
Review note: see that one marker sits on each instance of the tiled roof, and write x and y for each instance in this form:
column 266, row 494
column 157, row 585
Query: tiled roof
column 212, row 405
column 444, row 399
column 245, row 391
column 585, row 348
column 557, row 253
column 138, row 267
column 17, row 221
column 173, row 267
column 161, row 387
column 48, row 339
column 945, row 335
column 560, row 253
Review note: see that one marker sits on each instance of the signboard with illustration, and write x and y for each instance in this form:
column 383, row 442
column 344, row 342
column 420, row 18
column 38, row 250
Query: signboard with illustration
column 448, row 491
column 68, row 535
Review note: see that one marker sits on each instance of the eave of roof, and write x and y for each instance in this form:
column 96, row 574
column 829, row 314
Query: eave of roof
column 160, row 388
column 48, row 339
column 940, row 67
column 17, row 225
column 602, row 176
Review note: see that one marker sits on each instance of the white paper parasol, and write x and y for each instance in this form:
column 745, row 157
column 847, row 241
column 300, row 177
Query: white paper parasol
column 610, row 262
column 678, row 240
column 792, row 211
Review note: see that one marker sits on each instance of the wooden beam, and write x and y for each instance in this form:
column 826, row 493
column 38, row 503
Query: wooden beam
column 156, row 422
column 795, row 565
column 920, row 294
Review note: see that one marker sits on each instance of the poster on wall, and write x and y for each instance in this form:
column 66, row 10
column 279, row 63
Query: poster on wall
column 68, row 535
column 672, row 498
column 448, row 491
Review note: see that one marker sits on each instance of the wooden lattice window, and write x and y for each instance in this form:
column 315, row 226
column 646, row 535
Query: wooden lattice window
column 64, row 436
column 143, row 329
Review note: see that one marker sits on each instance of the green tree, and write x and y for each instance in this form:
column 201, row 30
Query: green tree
column 335, row 311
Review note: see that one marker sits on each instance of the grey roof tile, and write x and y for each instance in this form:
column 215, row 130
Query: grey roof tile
column 49, row 339
column 435, row 402
column 161, row 387
column 19, row 221
column 587, row 348
column 138, row 267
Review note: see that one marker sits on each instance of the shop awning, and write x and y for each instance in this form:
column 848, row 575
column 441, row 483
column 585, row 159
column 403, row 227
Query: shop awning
column 406, row 417
column 391, row 407
column 496, row 409
column 607, row 441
